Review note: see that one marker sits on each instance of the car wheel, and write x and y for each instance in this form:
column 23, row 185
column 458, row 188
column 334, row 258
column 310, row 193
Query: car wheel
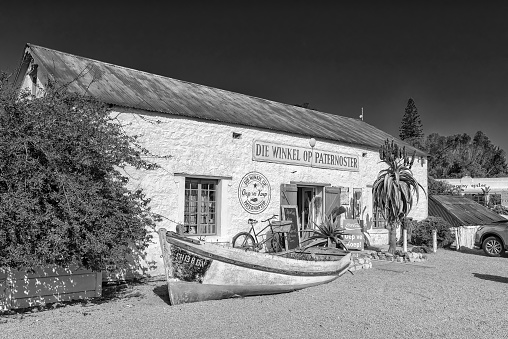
column 492, row 246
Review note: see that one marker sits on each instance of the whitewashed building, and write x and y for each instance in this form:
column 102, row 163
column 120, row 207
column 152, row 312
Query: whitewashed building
column 234, row 156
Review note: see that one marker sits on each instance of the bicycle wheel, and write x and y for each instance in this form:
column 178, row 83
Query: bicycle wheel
column 276, row 243
column 244, row 240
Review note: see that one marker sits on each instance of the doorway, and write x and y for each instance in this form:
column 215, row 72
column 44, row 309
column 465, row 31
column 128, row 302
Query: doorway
column 310, row 206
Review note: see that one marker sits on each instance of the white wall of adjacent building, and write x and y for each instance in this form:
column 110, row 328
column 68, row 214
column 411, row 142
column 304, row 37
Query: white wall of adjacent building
column 475, row 185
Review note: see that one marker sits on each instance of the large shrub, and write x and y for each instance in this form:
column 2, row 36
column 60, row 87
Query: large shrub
column 422, row 232
column 63, row 194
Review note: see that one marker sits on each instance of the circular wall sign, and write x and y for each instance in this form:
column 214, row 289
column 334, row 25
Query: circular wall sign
column 254, row 192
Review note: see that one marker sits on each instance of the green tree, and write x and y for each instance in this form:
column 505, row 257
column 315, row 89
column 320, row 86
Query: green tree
column 63, row 197
column 394, row 188
column 460, row 155
column 436, row 187
column 411, row 128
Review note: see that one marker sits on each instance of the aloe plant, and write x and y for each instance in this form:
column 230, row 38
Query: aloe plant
column 329, row 231
column 394, row 190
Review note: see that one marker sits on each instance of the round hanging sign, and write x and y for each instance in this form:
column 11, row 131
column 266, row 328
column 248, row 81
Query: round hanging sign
column 254, row 192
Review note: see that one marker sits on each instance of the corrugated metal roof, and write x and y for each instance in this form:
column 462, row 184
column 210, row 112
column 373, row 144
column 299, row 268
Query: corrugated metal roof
column 461, row 211
column 132, row 88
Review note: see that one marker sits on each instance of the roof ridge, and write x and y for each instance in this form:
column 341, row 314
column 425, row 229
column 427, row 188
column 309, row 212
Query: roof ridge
column 188, row 82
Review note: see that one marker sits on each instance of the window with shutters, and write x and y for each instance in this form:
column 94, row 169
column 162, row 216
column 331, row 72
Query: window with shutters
column 379, row 220
column 200, row 215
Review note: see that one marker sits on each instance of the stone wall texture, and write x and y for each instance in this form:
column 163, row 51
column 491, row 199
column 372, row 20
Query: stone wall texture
column 205, row 148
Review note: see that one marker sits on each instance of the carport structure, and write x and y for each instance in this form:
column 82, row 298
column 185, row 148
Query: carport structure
column 464, row 215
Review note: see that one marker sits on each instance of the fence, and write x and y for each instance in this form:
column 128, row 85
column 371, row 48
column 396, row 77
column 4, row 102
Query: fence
column 21, row 289
column 464, row 236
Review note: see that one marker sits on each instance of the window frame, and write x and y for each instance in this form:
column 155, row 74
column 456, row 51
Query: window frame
column 357, row 204
column 379, row 221
column 211, row 207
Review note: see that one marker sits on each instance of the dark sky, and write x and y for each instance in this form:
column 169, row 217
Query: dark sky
column 450, row 57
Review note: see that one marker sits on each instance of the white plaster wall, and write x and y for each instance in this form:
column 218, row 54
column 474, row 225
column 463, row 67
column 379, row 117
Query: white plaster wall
column 26, row 84
column 201, row 148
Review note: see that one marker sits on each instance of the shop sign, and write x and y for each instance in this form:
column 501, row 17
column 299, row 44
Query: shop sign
column 290, row 213
column 351, row 224
column 353, row 236
column 254, row 192
column 292, row 155
column 469, row 187
column 353, row 241
column 475, row 185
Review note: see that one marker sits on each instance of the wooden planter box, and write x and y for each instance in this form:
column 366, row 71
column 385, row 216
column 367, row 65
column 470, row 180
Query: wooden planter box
column 20, row 289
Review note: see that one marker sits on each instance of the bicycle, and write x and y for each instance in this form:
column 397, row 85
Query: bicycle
column 272, row 240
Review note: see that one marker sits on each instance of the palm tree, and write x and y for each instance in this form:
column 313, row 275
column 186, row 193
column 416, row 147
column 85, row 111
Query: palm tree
column 485, row 192
column 394, row 188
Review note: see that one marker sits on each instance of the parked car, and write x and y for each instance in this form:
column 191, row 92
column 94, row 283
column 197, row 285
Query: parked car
column 493, row 238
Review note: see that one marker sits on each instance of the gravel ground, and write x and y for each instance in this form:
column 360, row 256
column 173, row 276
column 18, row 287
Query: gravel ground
column 452, row 295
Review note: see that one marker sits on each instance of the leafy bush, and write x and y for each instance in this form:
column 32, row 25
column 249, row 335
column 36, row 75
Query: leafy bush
column 422, row 233
column 437, row 187
column 500, row 209
column 408, row 224
column 63, row 197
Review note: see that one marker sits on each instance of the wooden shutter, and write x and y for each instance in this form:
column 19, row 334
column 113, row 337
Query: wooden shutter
column 288, row 194
column 332, row 199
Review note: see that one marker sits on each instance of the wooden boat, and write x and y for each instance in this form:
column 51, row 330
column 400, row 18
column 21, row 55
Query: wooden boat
column 199, row 271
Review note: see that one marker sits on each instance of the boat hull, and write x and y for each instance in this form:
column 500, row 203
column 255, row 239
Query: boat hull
column 200, row 271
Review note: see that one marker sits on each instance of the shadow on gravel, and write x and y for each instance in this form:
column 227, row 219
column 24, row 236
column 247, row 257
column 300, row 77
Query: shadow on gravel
column 495, row 278
column 109, row 292
column 162, row 292
column 472, row 251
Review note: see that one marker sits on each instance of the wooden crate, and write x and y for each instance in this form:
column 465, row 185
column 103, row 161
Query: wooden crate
column 20, row 289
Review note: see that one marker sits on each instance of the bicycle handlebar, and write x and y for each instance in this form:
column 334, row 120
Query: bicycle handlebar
column 253, row 221
column 272, row 217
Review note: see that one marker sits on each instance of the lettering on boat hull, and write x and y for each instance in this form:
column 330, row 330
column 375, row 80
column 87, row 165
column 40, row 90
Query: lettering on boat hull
column 188, row 266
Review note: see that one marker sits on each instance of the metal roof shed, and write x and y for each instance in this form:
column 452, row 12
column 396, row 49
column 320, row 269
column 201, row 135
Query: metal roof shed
column 461, row 211
column 465, row 215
